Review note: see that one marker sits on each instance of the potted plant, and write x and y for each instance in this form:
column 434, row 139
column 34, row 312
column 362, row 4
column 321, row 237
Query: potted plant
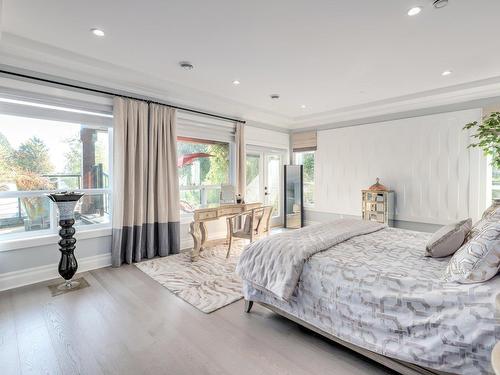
column 487, row 138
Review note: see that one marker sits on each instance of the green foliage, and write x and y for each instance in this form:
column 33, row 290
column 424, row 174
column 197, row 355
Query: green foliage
column 73, row 157
column 32, row 156
column 487, row 137
column 6, row 169
column 213, row 170
column 218, row 172
column 308, row 163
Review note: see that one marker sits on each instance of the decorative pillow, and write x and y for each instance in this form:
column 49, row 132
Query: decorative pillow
column 479, row 259
column 492, row 213
column 448, row 239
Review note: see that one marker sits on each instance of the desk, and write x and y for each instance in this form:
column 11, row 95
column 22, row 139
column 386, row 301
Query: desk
column 198, row 228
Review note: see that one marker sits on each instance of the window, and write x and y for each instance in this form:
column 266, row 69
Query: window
column 496, row 183
column 203, row 167
column 253, row 178
column 40, row 156
column 306, row 159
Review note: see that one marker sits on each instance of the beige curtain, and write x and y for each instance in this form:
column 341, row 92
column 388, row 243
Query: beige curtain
column 240, row 160
column 145, row 182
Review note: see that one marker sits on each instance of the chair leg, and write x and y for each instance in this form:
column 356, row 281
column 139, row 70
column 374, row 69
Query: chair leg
column 229, row 246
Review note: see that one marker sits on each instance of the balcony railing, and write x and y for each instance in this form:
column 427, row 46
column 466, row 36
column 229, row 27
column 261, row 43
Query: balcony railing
column 31, row 210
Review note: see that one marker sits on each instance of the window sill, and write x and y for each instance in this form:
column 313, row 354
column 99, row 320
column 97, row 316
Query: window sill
column 51, row 239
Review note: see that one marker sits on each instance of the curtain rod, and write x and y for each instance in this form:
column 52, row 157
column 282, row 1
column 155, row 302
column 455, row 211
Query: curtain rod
column 110, row 93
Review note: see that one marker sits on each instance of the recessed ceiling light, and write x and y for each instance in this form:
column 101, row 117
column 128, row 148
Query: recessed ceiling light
column 97, row 32
column 186, row 65
column 414, row 11
column 446, row 73
column 274, row 96
column 236, row 82
column 303, row 106
column 438, row 4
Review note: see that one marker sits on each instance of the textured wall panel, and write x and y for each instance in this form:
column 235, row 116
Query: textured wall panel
column 424, row 159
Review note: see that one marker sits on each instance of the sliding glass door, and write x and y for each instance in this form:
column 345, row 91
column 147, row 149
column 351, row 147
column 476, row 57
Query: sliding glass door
column 264, row 180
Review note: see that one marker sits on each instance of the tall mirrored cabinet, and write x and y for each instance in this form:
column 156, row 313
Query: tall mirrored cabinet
column 294, row 196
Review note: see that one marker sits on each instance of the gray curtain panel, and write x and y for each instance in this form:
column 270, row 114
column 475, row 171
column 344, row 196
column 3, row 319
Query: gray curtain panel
column 145, row 182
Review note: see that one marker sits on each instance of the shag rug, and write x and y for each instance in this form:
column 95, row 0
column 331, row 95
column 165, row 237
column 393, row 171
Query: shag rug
column 208, row 283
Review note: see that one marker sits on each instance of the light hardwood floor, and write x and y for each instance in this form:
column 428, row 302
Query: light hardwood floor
column 126, row 323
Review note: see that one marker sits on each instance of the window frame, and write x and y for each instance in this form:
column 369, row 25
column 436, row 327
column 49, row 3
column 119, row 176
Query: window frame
column 23, row 239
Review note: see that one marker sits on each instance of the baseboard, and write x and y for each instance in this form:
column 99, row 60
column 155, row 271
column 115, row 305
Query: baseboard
column 34, row 275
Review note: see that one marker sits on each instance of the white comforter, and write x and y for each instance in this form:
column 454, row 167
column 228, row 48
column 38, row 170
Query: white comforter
column 275, row 263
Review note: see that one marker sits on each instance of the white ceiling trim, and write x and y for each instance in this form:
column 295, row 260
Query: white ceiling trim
column 27, row 54
column 427, row 100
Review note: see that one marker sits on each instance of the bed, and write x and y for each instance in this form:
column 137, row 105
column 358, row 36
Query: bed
column 377, row 294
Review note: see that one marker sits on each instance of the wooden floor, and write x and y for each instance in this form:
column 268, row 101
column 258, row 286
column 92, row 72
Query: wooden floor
column 126, row 323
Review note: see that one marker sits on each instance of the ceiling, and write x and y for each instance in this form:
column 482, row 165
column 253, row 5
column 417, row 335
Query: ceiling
column 331, row 56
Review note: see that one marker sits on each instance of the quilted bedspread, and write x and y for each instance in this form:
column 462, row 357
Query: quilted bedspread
column 275, row 263
column 379, row 292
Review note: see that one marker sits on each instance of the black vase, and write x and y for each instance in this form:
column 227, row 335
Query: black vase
column 68, row 265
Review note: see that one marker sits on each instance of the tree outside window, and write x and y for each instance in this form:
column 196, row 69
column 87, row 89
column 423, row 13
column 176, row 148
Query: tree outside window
column 203, row 167
column 39, row 156
column 306, row 158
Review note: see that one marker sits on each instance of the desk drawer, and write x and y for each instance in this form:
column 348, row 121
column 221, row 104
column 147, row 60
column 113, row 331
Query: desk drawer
column 205, row 215
column 229, row 211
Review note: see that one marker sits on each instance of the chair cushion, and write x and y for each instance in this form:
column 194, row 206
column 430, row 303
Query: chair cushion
column 477, row 260
column 448, row 239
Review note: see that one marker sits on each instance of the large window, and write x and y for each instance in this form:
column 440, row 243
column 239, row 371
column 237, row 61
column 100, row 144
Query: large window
column 306, row 159
column 39, row 156
column 203, row 168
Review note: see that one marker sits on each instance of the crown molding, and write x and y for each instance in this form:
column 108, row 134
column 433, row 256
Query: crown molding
column 444, row 99
column 25, row 54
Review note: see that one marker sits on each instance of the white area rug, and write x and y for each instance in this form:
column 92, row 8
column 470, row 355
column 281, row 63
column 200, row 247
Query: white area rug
column 208, row 284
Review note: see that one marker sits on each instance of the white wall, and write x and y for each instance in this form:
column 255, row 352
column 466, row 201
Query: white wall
column 37, row 263
column 424, row 159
